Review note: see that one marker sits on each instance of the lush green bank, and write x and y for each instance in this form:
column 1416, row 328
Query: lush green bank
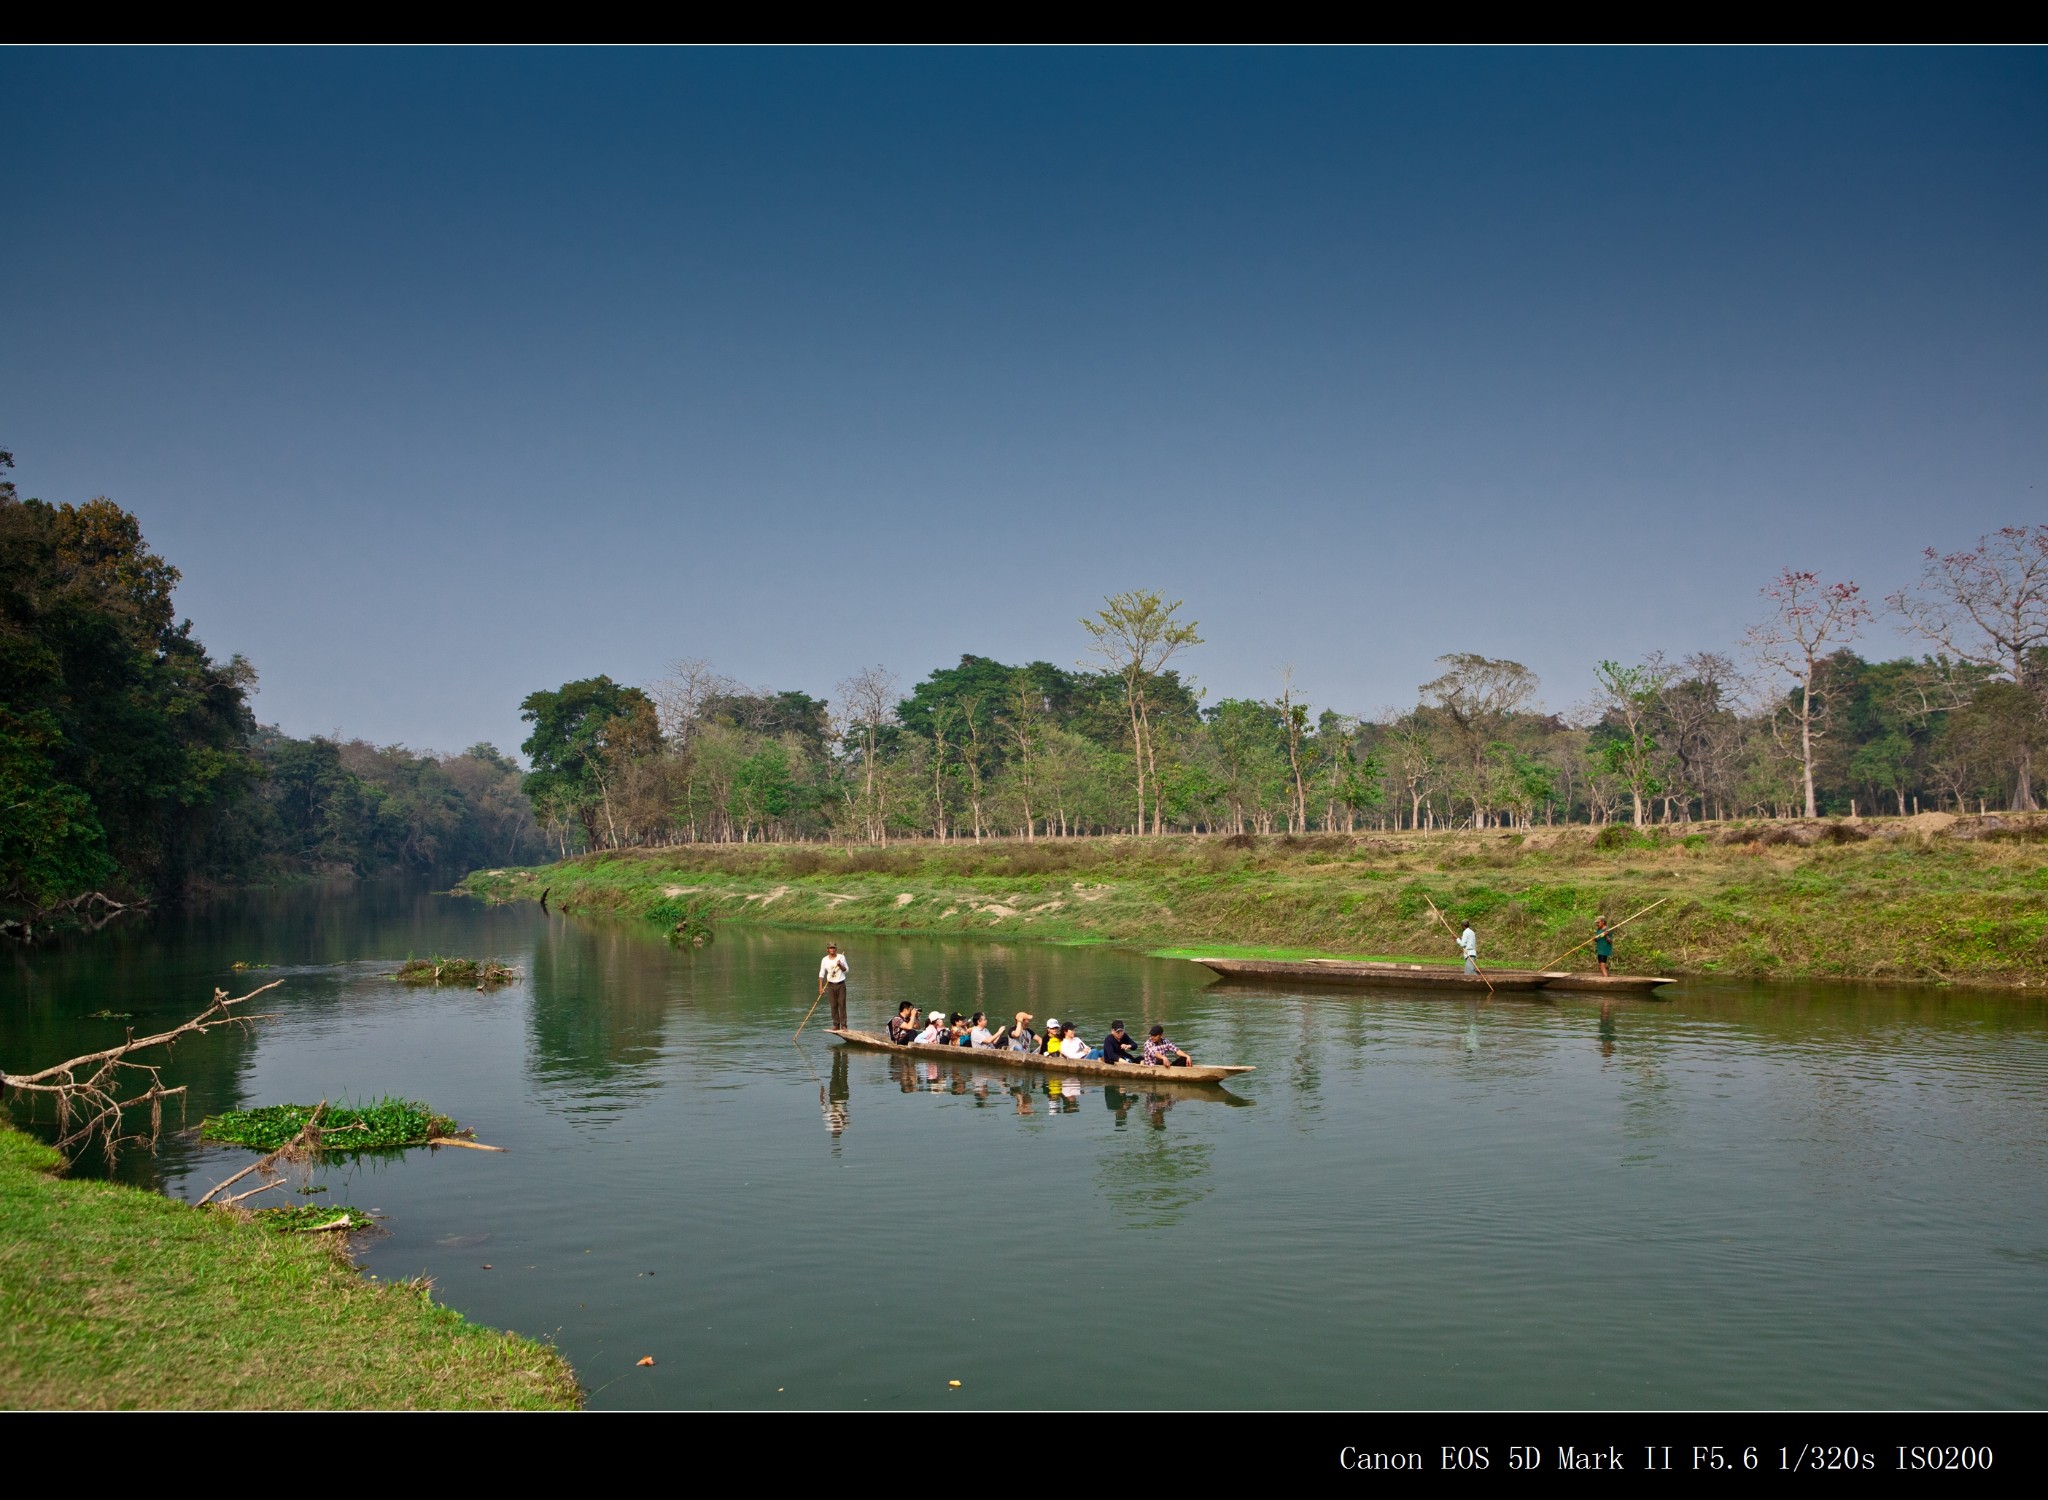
column 115, row 1297
column 1924, row 899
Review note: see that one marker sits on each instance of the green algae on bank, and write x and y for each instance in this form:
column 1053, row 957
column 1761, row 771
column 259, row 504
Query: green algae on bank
column 116, row 1298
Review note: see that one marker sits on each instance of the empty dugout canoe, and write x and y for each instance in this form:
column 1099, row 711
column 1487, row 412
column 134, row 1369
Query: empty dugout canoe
column 1612, row 984
column 1134, row 1074
column 1363, row 974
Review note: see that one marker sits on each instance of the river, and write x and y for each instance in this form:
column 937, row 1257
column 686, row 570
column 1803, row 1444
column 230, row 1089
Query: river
column 1743, row 1196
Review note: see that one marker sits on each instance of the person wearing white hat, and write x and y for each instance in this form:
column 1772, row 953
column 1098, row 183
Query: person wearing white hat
column 935, row 1023
column 1052, row 1034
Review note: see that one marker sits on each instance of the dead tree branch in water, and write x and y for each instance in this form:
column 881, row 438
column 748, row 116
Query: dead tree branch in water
column 93, row 908
column 87, row 1089
column 305, row 1143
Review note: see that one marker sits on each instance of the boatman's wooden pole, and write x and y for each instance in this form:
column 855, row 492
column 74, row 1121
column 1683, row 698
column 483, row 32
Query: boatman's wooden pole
column 809, row 1013
column 1610, row 932
column 1454, row 938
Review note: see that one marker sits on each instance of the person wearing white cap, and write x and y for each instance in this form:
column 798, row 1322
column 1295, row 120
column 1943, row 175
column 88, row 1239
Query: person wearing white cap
column 1052, row 1035
column 936, row 1023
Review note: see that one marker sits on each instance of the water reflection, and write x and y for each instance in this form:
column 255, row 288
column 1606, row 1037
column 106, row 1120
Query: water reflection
column 1844, row 1208
column 594, row 1049
column 1031, row 1092
column 836, row 1096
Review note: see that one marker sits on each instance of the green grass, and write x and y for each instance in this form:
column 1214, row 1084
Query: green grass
column 111, row 1297
column 386, row 1125
column 1883, row 899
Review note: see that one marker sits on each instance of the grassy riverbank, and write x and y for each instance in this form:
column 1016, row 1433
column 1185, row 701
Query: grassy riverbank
column 1924, row 899
column 114, row 1297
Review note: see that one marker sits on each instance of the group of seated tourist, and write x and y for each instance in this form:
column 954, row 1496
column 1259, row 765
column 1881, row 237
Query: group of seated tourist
column 937, row 1028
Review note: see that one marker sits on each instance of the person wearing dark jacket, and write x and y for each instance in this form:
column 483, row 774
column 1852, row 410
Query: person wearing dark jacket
column 1119, row 1045
column 903, row 1025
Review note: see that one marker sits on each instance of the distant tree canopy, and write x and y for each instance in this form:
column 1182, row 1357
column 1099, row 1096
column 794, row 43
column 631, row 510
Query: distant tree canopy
column 585, row 736
column 982, row 748
column 129, row 759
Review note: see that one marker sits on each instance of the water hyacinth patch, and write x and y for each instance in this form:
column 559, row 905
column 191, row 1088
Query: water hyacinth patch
column 386, row 1125
column 306, row 1216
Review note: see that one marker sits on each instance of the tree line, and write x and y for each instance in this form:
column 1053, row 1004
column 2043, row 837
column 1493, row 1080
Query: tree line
column 1792, row 722
column 131, row 762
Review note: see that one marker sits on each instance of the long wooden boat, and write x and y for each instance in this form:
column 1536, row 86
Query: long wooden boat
column 1370, row 974
column 1608, row 984
column 1134, row 1074
column 1362, row 973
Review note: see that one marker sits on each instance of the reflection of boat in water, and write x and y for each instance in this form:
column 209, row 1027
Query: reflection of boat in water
column 1129, row 1075
column 1371, row 974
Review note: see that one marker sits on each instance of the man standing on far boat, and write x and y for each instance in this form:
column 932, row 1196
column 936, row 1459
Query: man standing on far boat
column 832, row 981
column 1468, row 944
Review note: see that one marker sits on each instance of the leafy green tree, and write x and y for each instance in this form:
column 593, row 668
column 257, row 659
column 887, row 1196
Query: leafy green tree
column 1521, row 781
column 1631, row 699
column 762, row 790
column 580, row 730
column 1135, row 635
column 1471, row 705
column 51, row 845
column 1250, row 740
column 108, row 696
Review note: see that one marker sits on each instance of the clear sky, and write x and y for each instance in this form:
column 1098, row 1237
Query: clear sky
column 448, row 375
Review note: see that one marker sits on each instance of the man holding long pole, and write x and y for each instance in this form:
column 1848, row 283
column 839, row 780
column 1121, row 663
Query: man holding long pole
column 832, row 981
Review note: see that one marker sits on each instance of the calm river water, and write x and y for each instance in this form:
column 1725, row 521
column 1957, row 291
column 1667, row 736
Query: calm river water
column 1741, row 1197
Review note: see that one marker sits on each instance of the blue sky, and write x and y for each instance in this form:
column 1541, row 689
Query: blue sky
column 447, row 375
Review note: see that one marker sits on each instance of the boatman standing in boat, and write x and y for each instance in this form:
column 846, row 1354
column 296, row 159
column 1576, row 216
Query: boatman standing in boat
column 1603, row 945
column 832, row 981
column 1468, row 944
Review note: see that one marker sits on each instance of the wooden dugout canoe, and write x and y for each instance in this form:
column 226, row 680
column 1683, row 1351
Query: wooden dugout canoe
column 1360, row 973
column 1136, row 1075
column 1611, row 984
column 1367, row 974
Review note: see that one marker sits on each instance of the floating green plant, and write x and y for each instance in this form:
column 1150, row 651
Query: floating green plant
column 386, row 1125
column 468, row 971
column 305, row 1216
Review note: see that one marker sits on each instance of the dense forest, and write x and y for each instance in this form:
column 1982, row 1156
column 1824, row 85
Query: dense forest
column 132, row 766
column 1794, row 723
column 131, row 763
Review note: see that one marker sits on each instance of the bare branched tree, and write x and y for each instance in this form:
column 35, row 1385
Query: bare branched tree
column 680, row 696
column 1988, row 608
column 1810, row 620
column 868, row 699
column 1294, row 724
